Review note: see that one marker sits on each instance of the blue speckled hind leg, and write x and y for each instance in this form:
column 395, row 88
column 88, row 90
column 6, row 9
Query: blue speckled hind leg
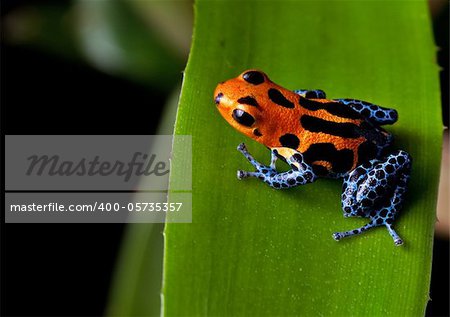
column 390, row 210
column 394, row 235
column 350, row 205
column 373, row 113
column 376, row 190
column 313, row 94
column 300, row 173
column 372, row 224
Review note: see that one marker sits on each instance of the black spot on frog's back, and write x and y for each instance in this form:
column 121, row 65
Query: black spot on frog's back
column 278, row 98
column 334, row 108
column 315, row 124
column 290, row 140
column 366, row 152
column 249, row 100
column 340, row 160
column 257, row 132
column 319, row 170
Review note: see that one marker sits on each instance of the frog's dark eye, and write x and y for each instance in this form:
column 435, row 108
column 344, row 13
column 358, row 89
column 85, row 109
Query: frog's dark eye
column 253, row 77
column 243, row 117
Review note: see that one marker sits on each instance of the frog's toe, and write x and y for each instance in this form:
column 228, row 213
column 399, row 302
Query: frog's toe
column 398, row 242
column 242, row 148
column 337, row 236
column 241, row 174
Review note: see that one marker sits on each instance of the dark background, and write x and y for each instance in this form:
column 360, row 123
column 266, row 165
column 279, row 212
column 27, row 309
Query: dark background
column 64, row 269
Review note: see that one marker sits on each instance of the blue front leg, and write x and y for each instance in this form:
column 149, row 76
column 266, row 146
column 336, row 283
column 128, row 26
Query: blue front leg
column 300, row 174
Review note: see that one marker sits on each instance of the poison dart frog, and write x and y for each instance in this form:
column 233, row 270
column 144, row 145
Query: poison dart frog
column 320, row 137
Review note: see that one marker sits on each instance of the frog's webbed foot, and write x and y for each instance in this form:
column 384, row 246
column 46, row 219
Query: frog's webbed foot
column 339, row 235
column 376, row 190
column 300, row 173
column 261, row 169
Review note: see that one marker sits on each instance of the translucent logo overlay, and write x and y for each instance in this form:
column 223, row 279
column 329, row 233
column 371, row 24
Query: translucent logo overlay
column 97, row 179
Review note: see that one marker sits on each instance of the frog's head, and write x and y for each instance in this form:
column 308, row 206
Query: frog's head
column 236, row 100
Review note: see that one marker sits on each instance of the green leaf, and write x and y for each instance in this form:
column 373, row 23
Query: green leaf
column 252, row 250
